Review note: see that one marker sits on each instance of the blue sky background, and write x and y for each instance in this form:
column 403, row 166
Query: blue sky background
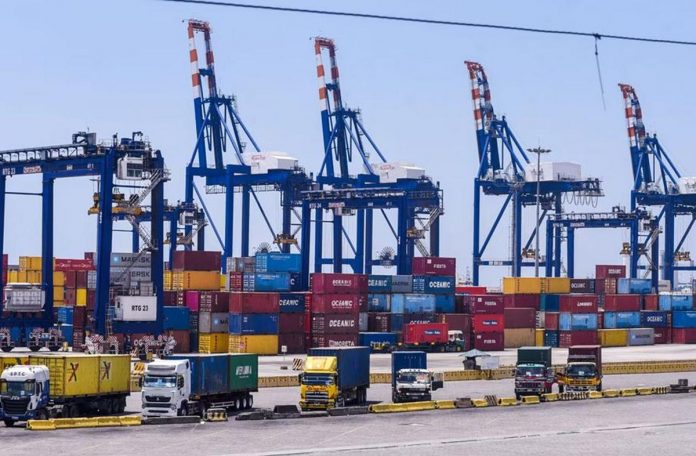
column 119, row 66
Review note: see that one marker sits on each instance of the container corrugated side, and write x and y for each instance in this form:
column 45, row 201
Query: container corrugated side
column 260, row 344
column 114, row 373
column 613, row 337
column 244, row 372
column 70, row 375
column 522, row 285
column 213, row 343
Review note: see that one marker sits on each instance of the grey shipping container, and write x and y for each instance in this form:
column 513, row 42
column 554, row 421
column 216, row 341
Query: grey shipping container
column 213, row 322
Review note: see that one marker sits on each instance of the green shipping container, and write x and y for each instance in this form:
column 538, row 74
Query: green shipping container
column 244, row 372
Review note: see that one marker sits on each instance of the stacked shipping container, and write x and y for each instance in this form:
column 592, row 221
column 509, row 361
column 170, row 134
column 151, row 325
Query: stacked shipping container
column 334, row 309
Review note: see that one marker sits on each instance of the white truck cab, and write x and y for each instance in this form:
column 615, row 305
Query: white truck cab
column 166, row 388
column 416, row 384
column 24, row 393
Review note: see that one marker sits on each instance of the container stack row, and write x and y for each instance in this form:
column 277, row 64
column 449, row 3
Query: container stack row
column 334, row 309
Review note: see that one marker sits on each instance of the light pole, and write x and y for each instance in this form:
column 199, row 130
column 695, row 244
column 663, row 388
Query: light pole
column 538, row 151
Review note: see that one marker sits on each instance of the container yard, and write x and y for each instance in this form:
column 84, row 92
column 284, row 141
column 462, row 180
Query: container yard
column 348, row 272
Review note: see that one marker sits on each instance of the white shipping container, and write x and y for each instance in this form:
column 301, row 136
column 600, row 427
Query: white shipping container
column 263, row 162
column 20, row 297
column 553, row 171
column 128, row 259
column 391, row 171
column 687, row 184
column 136, row 308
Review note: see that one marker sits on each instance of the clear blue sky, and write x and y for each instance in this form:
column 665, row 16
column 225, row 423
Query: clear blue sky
column 119, row 66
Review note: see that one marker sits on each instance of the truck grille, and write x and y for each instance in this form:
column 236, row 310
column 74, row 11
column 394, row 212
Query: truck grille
column 316, row 396
column 157, row 399
column 529, row 385
column 15, row 407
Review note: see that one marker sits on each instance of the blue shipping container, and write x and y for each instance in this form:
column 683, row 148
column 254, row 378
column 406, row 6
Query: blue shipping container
column 621, row 320
column 67, row 331
column 444, row 303
column 402, row 284
column 278, row 262
column 407, row 360
column 434, row 284
column 684, row 319
column 379, row 339
column 550, row 303
column 209, row 373
column 378, row 302
column 654, row 319
column 17, row 333
column 379, row 283
column 252, row 324
column 353, row 364
column 176, row 318
column 276, row 281
column 572, row 321
column 292, row 302
column 65, row 315
column 676, row 301
column 634, row 286
column 411, row 303
column 396, row 322
column 551, row 338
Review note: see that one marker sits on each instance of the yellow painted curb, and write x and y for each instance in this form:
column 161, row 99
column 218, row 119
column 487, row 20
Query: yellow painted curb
column 507, row 401
column 479, row 403
column 627, row 392
column 596, row 395
column 41, row 425
column 77, row 423
column 645, row 391
column 549, row 397
column 610, row 393
column 661, row 389
column 444, row 405
column 530, row 400
column 406, row 407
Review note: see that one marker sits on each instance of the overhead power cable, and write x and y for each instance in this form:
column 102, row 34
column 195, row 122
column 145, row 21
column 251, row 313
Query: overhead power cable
column 436, row 22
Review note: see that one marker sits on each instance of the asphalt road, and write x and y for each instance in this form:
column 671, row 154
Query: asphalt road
column 636, row 426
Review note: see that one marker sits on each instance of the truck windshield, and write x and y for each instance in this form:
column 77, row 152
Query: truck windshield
column 17, row 388
column 318, row 379
column 412, row 377
column 530, row 371
column 152, row 381
column 581, row 370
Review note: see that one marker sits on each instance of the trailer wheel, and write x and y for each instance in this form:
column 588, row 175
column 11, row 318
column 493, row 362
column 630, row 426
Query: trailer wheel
column 599, row 387
column 34, row 348
column 238, row 403
column 42, row 414
column 6, row 349
column 245, row 403
column 9, row 422
column 70, row 411
column 121, row 405
column 250, row 401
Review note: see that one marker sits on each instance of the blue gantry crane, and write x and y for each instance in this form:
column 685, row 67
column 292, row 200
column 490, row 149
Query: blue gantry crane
column 502, row 173
column 657, row 182
column 375, row 187
column 128, row 160
column 219, row 125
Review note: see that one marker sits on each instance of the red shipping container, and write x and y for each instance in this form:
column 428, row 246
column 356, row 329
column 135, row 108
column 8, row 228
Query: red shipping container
column 608, row 271
column 485, row 323
column 323, row 283
column 684, row 335
column 606, row 286
column 335, row 340
column 91, row 299
column 551, row 321
column 522, row 301
column 337, row 303
column 578, row 303
column 169, row 298
column 490, row 341
column 621, row 303
column 70, row 296
column 192, row 299
column 70, row 279
column 183, row 340
column 379, row 322
column 80, row 279
column 79, row 317
column 471, row 290
column 236, row 281
column 485, row 304
column 334, row 324
column 254, row 303
column 291, row 323
column 78, row 339
column 425, row 333
column 197, row 260
column 434, row 266
column 520, row 317
column 663, row 335
column 650, row 302
column 294, row 343
column 568, row 338
column 456, row 322
column 214, row 301
column 66, row 264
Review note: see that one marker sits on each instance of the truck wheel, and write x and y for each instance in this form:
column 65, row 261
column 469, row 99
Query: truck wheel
column 428, row 397
column 518, row 396
column 561, row 388
column 6, row 349
column 9, row 422
column 599, row 387
column 42, row 414
column 183, row 410
column 245, row 403
column 238, row 403
column 250, row 401
column 121, row 405
column 70, row 411
column 34, row 348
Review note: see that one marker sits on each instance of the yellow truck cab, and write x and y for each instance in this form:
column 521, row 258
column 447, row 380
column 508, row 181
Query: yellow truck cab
column 318, row 388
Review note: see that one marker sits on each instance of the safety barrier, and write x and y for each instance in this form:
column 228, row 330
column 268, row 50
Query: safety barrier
column 644, row 391
column 216, row 414
column 405, row 407
column 573, row 395
column 445, row 405
column 549, row 397
column 75, row 423
column 661, row 389
column 529, row 400
column 478, row 403
column 627, row 392
column 507, row 401
column 610, row 393
column 280, row 381
column 596, row 395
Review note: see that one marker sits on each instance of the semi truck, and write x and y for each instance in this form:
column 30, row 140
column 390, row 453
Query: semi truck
column 432, row 337
column 411, row 379
column 335, row 377
column 64, row 385
column 191, row 384
column 583, row 372
column 533, row 372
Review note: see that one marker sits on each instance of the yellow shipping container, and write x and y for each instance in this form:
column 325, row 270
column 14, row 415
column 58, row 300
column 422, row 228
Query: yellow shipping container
column 76, row 374
column 167, row 281
column 81, row 297
column 519, row 337
column 613, row 337
column 262, row 345
column 33, row 276
column 58, row 293
column 223, row 282
column 12, row 359
column 555, row 285
column 196, row 280
column 21, row 277
column 213, row 343
column 58, row 279
column 12, row 276
column 27, row 263
column 539, row 337
column 522, row 285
